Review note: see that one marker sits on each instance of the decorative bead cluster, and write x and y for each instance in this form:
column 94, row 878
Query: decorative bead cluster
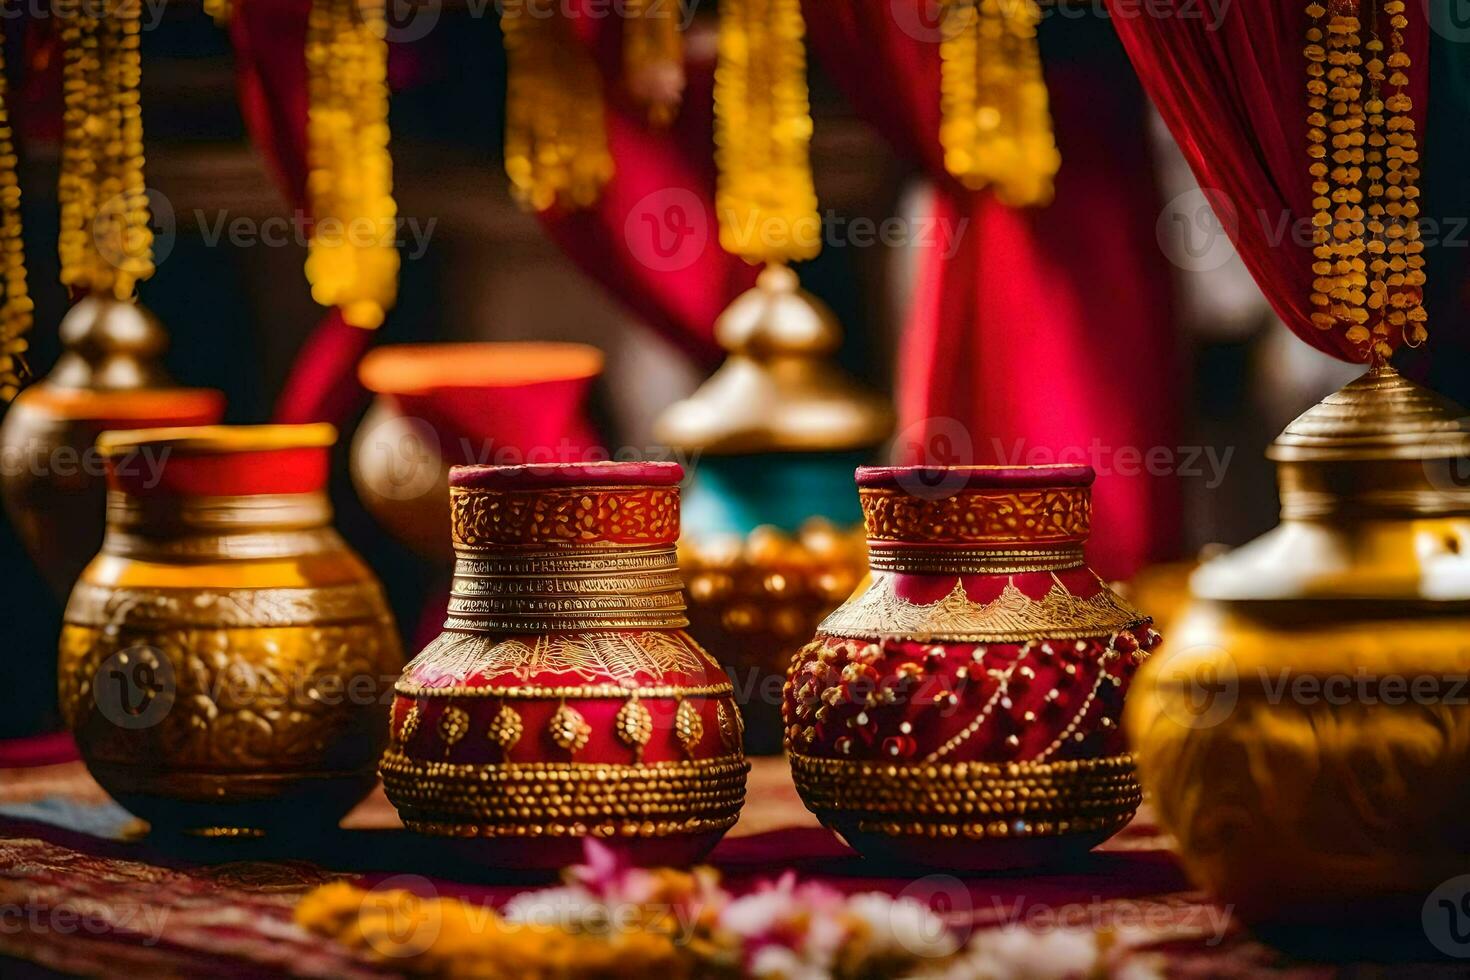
column 352, row 262
column 1368, row 258
column 16, row 306
column 556, row 150
column 105, row 243
column 653, row 57
column 995, row 118
column 875, row 695
column 765, row 197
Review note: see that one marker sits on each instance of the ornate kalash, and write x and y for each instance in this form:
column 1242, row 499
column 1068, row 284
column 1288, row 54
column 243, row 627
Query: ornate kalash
column 225, row 659
column 1306, row 735
column 772, row 542
column 962, row 709
column 564, row 699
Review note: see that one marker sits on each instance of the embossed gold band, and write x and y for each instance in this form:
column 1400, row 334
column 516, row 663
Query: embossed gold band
column 570, row 799
column 237, row 527
column 887, row 557
column 971, row 799
column 159, row 608
column 1022, row 517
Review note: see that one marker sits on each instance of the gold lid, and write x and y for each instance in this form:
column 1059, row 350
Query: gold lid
column 777, row 390
column 1379, row 416
column 219, row 438
column 109, row 345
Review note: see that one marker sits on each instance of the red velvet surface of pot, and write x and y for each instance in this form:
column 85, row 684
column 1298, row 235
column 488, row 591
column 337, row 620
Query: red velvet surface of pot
column 962, row 709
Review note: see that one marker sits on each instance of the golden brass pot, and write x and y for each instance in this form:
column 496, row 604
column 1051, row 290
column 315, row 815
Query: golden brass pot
column 1305, row 735
column 226, row 660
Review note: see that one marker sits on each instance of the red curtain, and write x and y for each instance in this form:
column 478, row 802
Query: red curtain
column 1042, row 334
column 1230, row 82
column 269, row 38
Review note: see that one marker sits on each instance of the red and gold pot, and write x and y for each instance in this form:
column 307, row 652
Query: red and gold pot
column 225, row 658
column 961, row 709
column 564, row 699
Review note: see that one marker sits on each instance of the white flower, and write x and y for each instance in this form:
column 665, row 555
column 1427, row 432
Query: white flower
column 903, row 928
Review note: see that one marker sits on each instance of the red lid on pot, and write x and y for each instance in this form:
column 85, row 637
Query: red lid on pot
column 218, row 460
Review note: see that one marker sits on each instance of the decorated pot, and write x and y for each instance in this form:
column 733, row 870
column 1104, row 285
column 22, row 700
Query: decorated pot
column 564, row 699
column 961, row 710
column 225, row 659
column 1306, row 736
column 107, row 377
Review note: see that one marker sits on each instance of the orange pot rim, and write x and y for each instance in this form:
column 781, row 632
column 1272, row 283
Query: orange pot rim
column 406, row 369
column 218, row 438
column 127, row 405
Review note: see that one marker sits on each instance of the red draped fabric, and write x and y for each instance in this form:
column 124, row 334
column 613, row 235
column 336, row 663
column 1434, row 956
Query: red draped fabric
column 1043, row 335
column 652, row 240
column 1230, row 82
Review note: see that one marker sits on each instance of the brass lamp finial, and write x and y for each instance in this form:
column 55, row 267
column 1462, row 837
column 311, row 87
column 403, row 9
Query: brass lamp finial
column 777, row 391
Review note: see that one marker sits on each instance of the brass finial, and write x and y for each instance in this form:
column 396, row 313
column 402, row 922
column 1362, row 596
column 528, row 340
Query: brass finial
column 777, row 390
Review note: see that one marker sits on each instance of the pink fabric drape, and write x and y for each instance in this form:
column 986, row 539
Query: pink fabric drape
column 1231, row 85
column 1043, row 335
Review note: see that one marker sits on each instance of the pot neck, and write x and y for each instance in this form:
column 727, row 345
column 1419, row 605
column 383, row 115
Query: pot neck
column 219, row 528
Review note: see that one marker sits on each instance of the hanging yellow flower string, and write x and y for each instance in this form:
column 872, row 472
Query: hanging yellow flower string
column 556, row 150
column 765, row 198
column 995, row 115
column 352, row 262
column 1368, row 275
column 105, row 243
column 653, row 57
column 15, row 307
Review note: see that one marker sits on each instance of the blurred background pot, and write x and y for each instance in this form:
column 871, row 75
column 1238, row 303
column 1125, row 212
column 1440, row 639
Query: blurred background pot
column 443, row 405
column 1306, row 736
column 225, row 658
column 107, row 377
column 772, row 531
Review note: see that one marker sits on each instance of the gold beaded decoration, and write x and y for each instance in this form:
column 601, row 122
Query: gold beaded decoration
column 653, row 57
column 556, row 150
column 765, row 198
column 352, row 262
column 1368, row 262
column 506, row 728
column 995, row 115
column 16, row 307
column 569, row 729
column 105, row 243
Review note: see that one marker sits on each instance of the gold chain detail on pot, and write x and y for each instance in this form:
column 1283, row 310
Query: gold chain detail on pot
column 105, row 242
column 765, row 198
column 1012, row 616
column 1368, row 275
column 572, row 799
column 1059, row 515
column 971, row 561
column 16, row 309
column 556, row 151
column 971, row 799
column 352, row 263
column 995, row 121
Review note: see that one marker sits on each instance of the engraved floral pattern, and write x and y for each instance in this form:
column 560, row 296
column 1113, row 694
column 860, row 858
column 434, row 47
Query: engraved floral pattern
column 1030, row 516
column 625, row 516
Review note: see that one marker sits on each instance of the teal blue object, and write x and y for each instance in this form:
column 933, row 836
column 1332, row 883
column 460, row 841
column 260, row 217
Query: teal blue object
column 736, row 494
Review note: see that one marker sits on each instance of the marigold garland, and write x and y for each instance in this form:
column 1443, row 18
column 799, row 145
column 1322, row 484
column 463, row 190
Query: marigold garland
column 765, row 198
column 353, row 261
column 105, row 242
column 16, row 307
column 1368, row 272
column 556, row 150
column 995, row 117
column 653, row 57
